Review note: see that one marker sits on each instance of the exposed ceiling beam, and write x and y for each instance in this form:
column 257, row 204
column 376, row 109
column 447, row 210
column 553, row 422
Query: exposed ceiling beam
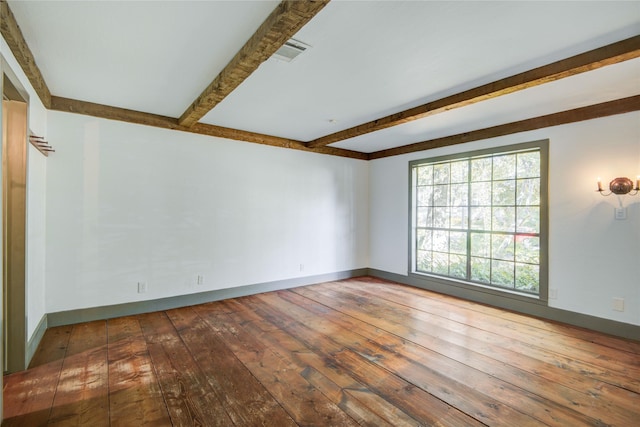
column 290, row 14
column 11, row 32
column 137, row 117
column 619, row 106
column 591, row 60
column 286, row 20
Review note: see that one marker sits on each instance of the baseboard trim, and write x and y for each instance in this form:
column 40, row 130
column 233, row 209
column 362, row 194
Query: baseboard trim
column 611, row 327
column 36, row 337
column 139, row 307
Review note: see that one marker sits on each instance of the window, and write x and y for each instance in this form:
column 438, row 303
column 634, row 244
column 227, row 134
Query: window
column 480, row 218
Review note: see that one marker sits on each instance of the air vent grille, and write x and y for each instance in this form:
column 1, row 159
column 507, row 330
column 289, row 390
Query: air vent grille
column 290, row 50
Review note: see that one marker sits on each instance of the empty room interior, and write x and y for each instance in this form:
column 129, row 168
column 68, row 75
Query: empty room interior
column 329, row 213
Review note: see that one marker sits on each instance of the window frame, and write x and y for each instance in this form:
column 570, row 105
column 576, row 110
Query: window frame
column 543, row 286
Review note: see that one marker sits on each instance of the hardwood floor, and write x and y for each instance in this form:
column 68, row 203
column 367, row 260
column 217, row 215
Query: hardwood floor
column 355, row 352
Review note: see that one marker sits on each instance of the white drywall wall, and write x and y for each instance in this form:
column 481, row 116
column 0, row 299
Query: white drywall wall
column 129, row 203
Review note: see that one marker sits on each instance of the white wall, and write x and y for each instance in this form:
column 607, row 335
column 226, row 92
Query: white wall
column 36, row 235
column 129, row 203
column 36, row 193
column 593, row 258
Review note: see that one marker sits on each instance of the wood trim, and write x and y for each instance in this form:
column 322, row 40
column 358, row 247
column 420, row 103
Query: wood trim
column 148, row 119
column 289, row 17
column 13, row 35
column 257, row 138
column 14, row 194
column 619, row 106
column 587, row 61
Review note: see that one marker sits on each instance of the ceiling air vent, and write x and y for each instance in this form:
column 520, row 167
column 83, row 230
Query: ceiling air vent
column 290, row 50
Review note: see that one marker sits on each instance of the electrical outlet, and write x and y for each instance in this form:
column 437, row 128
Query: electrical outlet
column 301, row 267
column 618, row 304
column 142, row 287
column 200, row 279
column 553, row 293
column 621, row 213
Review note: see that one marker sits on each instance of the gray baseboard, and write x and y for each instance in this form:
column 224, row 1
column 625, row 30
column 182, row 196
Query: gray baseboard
column 70, row 317
column 533, row 308
column 34, row 341
column 127, row 309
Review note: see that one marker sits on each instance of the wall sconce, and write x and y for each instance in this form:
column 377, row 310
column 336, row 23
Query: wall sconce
column 620, row 186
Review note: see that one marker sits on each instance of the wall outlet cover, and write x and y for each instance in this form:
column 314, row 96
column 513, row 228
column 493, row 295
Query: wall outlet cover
column 142, row 287
column 621, row 213
column 618, row 304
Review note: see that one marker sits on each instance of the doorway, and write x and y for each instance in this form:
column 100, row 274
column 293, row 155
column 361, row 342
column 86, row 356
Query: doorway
column 14, row 180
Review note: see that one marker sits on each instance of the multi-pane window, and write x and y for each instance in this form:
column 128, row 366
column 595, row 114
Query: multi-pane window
column 478, row 217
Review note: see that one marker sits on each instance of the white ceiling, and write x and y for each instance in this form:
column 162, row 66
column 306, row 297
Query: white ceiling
column 368, row 59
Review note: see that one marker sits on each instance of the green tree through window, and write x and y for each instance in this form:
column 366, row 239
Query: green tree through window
column 478, row 217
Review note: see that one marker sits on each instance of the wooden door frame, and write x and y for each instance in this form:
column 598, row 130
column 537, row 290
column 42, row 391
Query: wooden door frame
column 14, row 197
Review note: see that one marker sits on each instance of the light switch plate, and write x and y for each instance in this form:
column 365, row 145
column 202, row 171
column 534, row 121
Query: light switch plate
column 621, row 213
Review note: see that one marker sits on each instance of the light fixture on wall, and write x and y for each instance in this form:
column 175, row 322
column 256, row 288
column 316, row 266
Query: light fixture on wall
column 620, row 186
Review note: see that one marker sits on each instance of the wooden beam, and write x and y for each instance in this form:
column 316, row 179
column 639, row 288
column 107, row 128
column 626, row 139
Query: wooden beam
column 13, row 35
column 147, row 119
column 604, row 109
column 289, row 17
column 591, row 60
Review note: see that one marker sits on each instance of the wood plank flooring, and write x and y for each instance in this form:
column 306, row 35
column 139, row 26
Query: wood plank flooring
column 356, row 352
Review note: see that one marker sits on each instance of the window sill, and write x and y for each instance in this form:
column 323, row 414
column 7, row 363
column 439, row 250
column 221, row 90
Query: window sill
column 471, row 288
